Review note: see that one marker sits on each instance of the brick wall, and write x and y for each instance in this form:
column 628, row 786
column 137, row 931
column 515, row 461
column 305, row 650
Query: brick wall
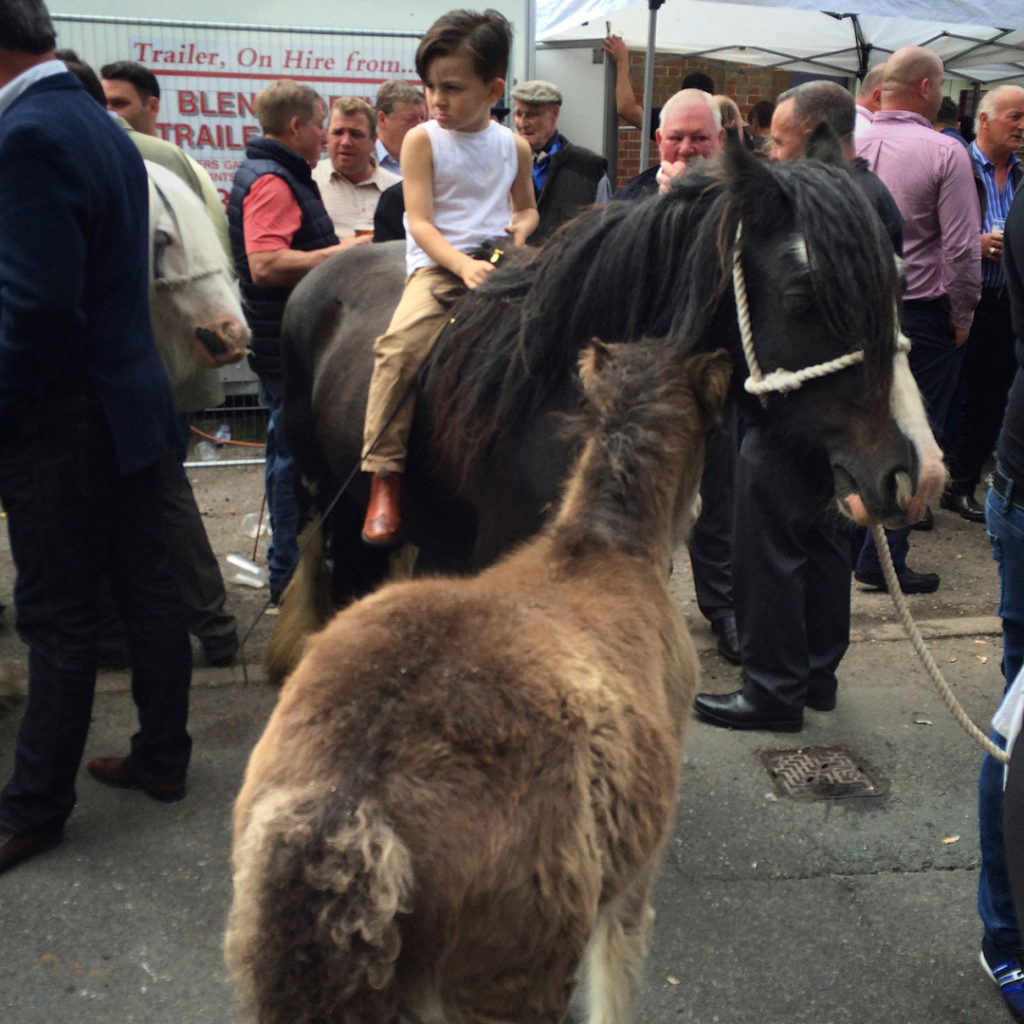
column 746, row 85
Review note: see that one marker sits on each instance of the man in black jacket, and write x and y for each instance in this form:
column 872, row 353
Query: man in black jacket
column 566, row 177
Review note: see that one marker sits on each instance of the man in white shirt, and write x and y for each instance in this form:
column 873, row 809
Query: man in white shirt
column 869, row 97
column 350, row 179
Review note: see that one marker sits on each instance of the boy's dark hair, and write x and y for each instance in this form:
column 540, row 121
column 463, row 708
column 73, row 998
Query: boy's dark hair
column 25, row 27
column 486, row 37
column 141, row 77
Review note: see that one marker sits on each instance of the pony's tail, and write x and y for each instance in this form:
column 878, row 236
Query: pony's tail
column 306, row 607
column 312, row 934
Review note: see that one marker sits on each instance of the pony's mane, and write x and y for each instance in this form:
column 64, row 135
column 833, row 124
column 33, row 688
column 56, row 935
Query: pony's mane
column 660, row 266
column 611, row 272
column 639, row 419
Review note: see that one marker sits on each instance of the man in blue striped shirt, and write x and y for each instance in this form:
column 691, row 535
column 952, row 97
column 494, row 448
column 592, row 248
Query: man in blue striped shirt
column 989, row 363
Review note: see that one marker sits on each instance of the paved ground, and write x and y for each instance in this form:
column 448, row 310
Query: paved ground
column 769, row 910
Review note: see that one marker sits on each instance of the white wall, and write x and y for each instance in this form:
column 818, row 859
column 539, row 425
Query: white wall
column 584, row 86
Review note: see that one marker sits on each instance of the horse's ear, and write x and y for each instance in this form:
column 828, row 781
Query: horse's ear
column 709, row 375
column 593, row 360
column 823, row 144
column 747, row 175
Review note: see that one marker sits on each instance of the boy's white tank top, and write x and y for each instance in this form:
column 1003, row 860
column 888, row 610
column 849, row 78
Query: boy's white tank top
column 473, row 175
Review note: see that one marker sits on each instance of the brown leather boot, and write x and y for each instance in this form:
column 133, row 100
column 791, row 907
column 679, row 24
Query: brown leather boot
column 383, row 521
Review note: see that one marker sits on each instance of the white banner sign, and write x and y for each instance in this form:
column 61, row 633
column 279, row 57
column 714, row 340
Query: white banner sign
column 210, row 74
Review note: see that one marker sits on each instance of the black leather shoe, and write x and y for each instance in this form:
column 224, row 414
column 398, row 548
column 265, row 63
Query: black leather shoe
column 926, row 522
column 821, row 700
column 737, row 711
column 728, row 638
column 122, row 773
column 910, row 582
column 964, row 506
column 16, row 847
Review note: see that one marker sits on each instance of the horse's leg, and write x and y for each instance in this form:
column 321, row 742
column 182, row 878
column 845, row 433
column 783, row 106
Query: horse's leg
column 616, row 954
column 357, row 567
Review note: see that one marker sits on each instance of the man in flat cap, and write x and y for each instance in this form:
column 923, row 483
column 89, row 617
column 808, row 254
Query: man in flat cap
column 566, row 177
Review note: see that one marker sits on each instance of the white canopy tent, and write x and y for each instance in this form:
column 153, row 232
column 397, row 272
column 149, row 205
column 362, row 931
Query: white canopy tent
column 790, row 35
column 787, row 37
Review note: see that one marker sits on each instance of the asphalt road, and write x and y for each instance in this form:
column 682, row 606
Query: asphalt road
column 770, row 909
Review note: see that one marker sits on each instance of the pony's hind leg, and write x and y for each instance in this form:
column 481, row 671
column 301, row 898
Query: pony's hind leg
column 616, row 954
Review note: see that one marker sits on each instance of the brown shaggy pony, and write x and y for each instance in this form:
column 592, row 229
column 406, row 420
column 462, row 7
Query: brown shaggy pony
column 466, row 785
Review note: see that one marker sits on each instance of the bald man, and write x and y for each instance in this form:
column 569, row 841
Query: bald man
column 690, row 127
column 869, row 97
column 930, row 177
column 783, row 542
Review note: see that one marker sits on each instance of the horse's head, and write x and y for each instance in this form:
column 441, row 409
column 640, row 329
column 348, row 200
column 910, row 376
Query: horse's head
column 194, row 302
column 816, row 277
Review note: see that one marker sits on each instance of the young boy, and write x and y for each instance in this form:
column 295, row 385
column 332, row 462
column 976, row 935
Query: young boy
column 459, row 173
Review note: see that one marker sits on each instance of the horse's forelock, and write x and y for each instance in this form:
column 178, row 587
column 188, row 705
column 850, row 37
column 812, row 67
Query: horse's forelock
column 849, row 256
column 201, row 249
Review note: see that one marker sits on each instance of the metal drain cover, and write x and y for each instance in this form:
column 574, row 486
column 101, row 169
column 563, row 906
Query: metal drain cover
column 817, row 773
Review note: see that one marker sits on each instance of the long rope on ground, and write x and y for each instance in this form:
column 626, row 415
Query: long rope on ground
column 917, row 641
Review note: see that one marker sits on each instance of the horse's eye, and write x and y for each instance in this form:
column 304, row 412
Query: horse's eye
column 798, row 300
column 161, row 240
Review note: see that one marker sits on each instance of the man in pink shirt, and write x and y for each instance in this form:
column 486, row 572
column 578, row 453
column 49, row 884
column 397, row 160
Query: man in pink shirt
column 931, row 179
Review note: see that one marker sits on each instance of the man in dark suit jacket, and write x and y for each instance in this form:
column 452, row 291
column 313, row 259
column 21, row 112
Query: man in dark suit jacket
column 86, row 417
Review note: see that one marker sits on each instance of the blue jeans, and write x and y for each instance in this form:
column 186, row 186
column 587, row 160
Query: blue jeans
column 279, row 481
column 995, row 903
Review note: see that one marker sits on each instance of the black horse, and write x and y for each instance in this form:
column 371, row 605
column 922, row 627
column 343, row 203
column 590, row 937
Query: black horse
column 486, row 460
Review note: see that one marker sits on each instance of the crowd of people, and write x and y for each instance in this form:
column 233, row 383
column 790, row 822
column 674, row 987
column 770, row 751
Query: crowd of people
column 320, row 181
column 947, row 203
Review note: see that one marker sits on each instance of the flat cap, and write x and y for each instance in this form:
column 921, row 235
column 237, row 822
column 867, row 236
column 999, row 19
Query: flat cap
column 536, row 92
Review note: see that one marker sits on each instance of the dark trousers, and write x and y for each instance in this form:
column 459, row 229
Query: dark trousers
column 711, row 544
column 74, row 521
column 791, row 572
column 935, row 362
column 192, row 559
column 988, row 369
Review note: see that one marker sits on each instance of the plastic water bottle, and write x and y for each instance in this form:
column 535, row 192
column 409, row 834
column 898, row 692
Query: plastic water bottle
column 247, row 573
column 223, row 434
column 207, row 452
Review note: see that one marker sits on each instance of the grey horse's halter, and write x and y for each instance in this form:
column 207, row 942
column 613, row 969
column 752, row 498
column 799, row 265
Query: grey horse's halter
column 779, row 380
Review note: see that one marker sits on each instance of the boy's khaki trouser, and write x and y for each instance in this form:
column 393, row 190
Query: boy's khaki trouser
column 397, row 356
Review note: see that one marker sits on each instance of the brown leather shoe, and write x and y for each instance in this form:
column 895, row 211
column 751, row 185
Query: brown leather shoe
column 16, row 847
column 383, row 522
column 122, row 773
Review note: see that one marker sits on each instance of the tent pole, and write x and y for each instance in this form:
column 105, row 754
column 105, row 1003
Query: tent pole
column 648, row 108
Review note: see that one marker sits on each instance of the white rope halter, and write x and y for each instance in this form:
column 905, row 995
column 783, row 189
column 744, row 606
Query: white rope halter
column 778, row 380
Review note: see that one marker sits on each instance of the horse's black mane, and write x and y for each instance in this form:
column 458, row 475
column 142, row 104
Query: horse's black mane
column 659, row 266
